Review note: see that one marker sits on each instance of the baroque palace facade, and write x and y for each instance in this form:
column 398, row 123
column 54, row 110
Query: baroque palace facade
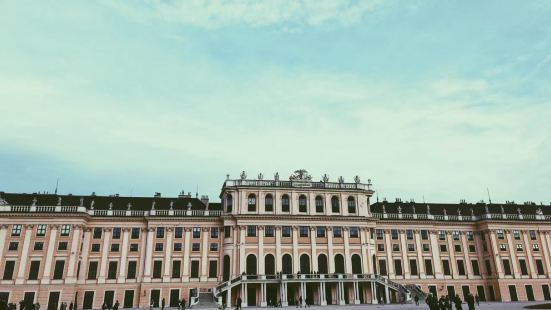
column 267, row 242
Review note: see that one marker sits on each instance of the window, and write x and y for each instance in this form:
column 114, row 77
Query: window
column 394, row 234
column 446, row 267
column 428, row 267
column 194, row 269
column 196, row 232
column 533, row 235
column 476, row 270
column 500, row 234
column 354, row 232
column 457, row 248
column 251, row 203
column 426, row 247
column 503, row 247
column 472, row 248
column 411, row 247
column 535, row 247
column 135, row 233
column 506, row 267
column 516, row 234
column 131, row 272
column 116, row 233
column 319, row 204
column 16, row 230
column 65, row 230
column 92, row 270
column 335, row 206
column 523, row 268
column 9, row 267
column 424, row 234
column 157, row 269
column 395, row 247
column 195, row 247
column 112, row 270
column 229, row 203
column 470, row 236
column 269, row 231
column 251, row 231
column 227, row 231
column 520, row 248
column 159, row 247
column 441, row 235
column 41, row 230
column 320, row 231
column 380, row 247
column 176, row 266
column 160, row 232
column 214, row 232
column 33, row 270
column 39, row 246
column 455, row 235
column 178, row 232
column 351, row 205
column 214, row 247
column 95, row 247
column 285, row 206
column 62, row 246
column 115, row 247
column 460, row 267
column 303, row 231
column 409, row 234
column 539, row 267
column 382, row 267
column 269, row 203
column 133, row 247
column 398, row 267
column 97, row 233
column 177, row 247
column 337, row 232
column 213, row 269
column 443, row 248
column 413, row 267
column 302, row 205
column 488, row 266
column 286, row 231
column 379, row 233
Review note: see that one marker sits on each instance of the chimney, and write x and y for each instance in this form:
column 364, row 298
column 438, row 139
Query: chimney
column 205, row 200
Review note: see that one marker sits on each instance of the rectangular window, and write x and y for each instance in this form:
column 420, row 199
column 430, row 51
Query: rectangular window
column 62, row 246
column 354, row 232
column 441, row 235
column 97, row 232
column 319, row 205
column 38, row 246
column 507, row 267
column 58, row 269
column 116, row 233
column 460, row 267
column 380, row 247
column 503, row 247
column 214, row 232
column 533, row 235
column 194, row 269
column 411, row 247
column 115, row 247
column 426, row 247
column 286, row 231
column 398, row 267
column 523, row 268
column 409, row 234
column 500, row 234
column 472, row 248
column 65, row 230
column 95, row 247
column 269, row 203
column 443, row 248
column 214, row 247
column 177, row 247
column 195, row 247
column 424, row 234
column 196, row 233
column 455, row 235
column 9, row 267
column 178, row 232
column 131, row 272
column 337, row 231
column 135, row 233
column 159, row 247
column 394, row 234
column 536, row 247
column 16, row 230
column 269, row 231
column 428, row 267
column 395, row 247
column 92, row 270
column 134, row 247
column 379, row 233
column 516, row 234
column 176, row 265
column 470, row 236
column 41, row 230
column 112, row 270
column 520, row 248
column 157, row 269
column 446, row 267
column 33, row 271
column 320, row 232
column 160, row 232
column 13, row 246
column 304, row 231
column 382, row 267
column 539, row 267
column 213, row 269
column 251, row 231
column 413, row 267
column 476, row 269
column 227, row 231
column 457, row 248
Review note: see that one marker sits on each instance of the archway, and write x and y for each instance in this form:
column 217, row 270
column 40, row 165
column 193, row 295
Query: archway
column 322, row 264
column 356, row 264
column 226, row 275
column 251, row 264
column 304, row 264
column 339, row 263
column 287, row 264
column 269, row 264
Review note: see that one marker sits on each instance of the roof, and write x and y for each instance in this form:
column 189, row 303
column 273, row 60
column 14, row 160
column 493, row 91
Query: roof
column 465, row 208
column 104, row 202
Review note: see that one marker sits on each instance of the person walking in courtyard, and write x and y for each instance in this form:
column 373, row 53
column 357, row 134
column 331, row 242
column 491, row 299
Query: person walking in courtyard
column 116, row 306
column 416, row 300
column 457, row 302
column 238, row 303
column 470, row 301
column 163, row 304
column 477, row 300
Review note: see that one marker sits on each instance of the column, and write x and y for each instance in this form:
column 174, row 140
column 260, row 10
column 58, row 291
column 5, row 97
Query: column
column 244, row 294
column 228, row 298
column 330, row 258
column 512, row 253
column 242, row 262
column 404, row 250
column 529, row 258
column 279, row 263
column 480, row 251
column 187, row 245
column 313, row 246
column 24, row 254
column 347, row 257
column 365, row 248
column 323, row 297
column 303, row 293
column 468, row 265
column 73, row 255
column 387, row 294
column 3, row 237
column 374, row 299
column 168, row 254
column 496, row 256
column 204, row 252
column 451, row 251
column 420, row 259
column 544, row 248
column 435, row 255
column 124, row 254
column 149, row 254
column 547, row 240
column 296, row 261
column 284, row 301
column 389, row 261
column 84, row 256
column 260, row 258
column 356, row 293
column 50, row 254
column 104, row 253
column 263, row 302
column 143, row 254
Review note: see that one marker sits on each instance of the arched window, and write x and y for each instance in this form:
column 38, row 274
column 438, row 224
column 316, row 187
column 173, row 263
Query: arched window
column 285, row 207
column 269, row 203
column 322, row 264
column 335, row 206
column 226, row 275
column 252, row 203
column 339, row 263
column 356, row 264
column 251, row 264
column 269, row 264
column 305, row 264
column 351, row 205
column 287, row 264
column 229, row 203
column 319, row 204
column 302, row 205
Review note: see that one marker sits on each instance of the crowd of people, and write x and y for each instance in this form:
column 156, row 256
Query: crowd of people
column 448, row 302
column 26, row 305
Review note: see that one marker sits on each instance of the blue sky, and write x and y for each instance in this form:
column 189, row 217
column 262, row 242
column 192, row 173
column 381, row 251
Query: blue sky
column 433, row 99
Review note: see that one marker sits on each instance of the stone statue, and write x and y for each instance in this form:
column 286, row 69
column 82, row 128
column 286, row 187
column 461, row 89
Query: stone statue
column 171, row 205
column 518, row 211
column 357, row 179
column 300, row 175
column 445, row 212
column 34, row 201
column 243, row 175
column 276, row 176
column 59, row 201
column 110, row 206
column 260, row 176
column 459, row 212
column 341, row 179
column 189, row 206
column 399, row 209
column 428, row 210
column 92, row 203
column 129, row 206
column 153, row 205
column 413, row 209
column 502, row 210
column 81, row 201
column 325, row 178
column 539, row 211
column 486, row 209
column 384, row 209
column 472, row 212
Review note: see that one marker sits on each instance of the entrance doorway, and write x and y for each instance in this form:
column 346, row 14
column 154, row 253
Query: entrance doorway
column 88, row 302
column 108, row 298
column 251, row 295
column 155, row 296
column 529, row 292
column 53, row 300
column 513, row 293
column 28, row 298
column 546, row 294
column 129, row 299
column 174, row 298
column 480, row 292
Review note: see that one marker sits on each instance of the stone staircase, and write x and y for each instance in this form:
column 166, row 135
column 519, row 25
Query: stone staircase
column 206, row 301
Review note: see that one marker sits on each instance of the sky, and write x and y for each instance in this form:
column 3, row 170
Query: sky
column 431, row 100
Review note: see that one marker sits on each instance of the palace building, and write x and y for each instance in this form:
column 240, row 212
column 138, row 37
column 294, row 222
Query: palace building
column 268, row 242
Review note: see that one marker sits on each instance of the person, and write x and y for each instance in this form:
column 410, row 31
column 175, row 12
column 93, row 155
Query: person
column 37, row 306
column 416, row 300
column 457, row 302
column 300, row 301
column 163, row 304
column 104, row 306
column 477, row 300
column 447, row 304
column 151, row 304
column 238, row 303
column 470, row 301
column 71, row 306
column 116, row 305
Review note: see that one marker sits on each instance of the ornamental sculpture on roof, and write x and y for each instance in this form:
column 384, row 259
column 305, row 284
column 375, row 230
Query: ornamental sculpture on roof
column 300, row 175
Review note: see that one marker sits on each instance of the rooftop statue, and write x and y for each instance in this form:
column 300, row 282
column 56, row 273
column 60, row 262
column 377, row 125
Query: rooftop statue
column 325, row 178
column 357, row 179
column 539, row 211
column 276, row 176
column 300, row 175
column 243, row 175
